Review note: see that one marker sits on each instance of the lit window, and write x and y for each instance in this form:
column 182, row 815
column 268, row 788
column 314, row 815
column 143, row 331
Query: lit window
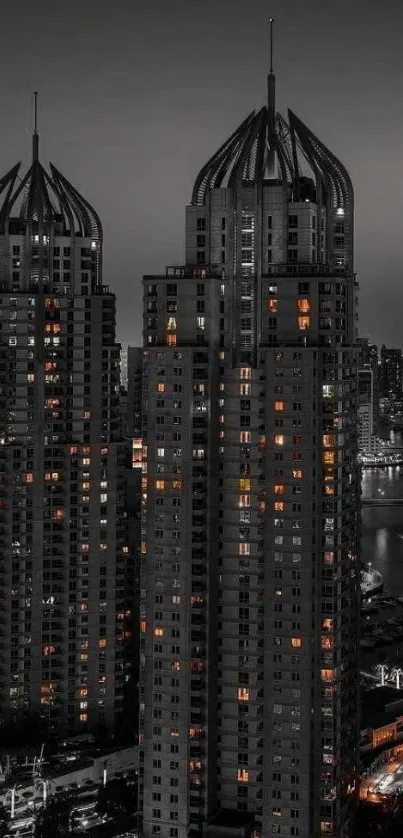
column 279, row 439
column 279, row 506
column 158, row 632
column 272, row 305
column 296, row 642
column 243, row 775
column 297, row 474
column 245, row 372
column 244, row 501
column 304, row 323
column 244, row 484
column 328, row 440
column 327, row 674
column 279, row 489
column 245, row 436
column 171, row 324
column 160, row 485
column 83, row 717
column 328, row 557
column 244, row 548
column 278, row 406
column 304, row 306
column 30, row 477
column 160, row 387
column 177, row 484
column 245, row 389
column 243, row 694
column 171, row 340
column 329, row 457
column 262, row 441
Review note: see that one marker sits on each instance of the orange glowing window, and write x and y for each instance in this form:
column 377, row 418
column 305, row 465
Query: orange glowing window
column 244, row 501
column 73, row 450
column 30, row 477
column 262, row 441
column 279, row 439
column 143, row 626
column 48, row 650
column 296, row 642
column 243, row 775
column 245, row 372
column 329, row 490
column 327, row 623
column 177, row 484
column 160, row 387
column 158, row 632
column 297, row 473
column 244, row 548
column 328, row 440
column 244, row 484
column 243, row 694
column 262, row 506
column 304, row 323
column 160, row 485
column 58, row 515
column 272, row 305
column 245, row 389
column 278, row 406
column 279, row 489
column 87, row 414
column 171, row 340
column 143, row 548
column 176, row 666
column 83, row 692
column 303, row 306
column 83, row 717
column 102, row 643
column 279, row 506
column 327, row 674
column 328, row 557
column 326, row 642
column 328, row 457
column 245, row 436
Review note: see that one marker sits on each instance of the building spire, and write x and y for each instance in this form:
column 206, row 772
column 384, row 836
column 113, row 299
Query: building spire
column 35, row 137
column 271, row 79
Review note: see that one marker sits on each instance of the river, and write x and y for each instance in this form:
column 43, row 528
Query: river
column 382, row 527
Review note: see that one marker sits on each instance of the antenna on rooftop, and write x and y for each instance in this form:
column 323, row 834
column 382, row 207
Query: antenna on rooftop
column 35, row 137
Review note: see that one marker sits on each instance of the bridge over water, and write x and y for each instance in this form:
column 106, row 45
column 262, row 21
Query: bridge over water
column 381, row 501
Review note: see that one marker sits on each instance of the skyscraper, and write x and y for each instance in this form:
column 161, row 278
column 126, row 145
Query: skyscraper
column 250, row 596
column 62, row 525
column 391, row 373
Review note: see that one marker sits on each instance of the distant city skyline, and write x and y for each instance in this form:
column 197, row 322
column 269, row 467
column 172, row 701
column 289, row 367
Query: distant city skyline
column 131, row 94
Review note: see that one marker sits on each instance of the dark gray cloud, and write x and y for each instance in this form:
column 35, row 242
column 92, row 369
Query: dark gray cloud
column 136, row 95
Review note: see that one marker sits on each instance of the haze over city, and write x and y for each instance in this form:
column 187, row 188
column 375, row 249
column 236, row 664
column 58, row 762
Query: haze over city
column 134, row 97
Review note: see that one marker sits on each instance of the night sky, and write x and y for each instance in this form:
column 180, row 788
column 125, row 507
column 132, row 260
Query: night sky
column 135, row 95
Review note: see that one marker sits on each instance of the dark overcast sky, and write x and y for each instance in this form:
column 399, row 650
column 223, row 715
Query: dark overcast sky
column 135, row 95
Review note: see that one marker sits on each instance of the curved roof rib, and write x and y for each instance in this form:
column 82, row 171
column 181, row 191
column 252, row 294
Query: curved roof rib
column 43, row 199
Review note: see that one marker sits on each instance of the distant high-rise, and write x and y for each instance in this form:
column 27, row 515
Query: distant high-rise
column 366, row 438
column 250, row 578
column 391, row 373
column 368, row 359
column 62, row 523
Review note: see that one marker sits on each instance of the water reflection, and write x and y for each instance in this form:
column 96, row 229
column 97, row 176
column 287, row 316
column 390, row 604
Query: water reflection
column 382, row 527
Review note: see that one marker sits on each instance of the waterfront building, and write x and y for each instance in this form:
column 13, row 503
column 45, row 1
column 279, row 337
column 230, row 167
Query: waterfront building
column 368, row 358
column 62, row 519
column 250, row 526
column 366, row 439
column 391, row 374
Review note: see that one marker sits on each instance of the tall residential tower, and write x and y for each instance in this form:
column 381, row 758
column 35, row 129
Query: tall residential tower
column 250, row 591
column 62, row 527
